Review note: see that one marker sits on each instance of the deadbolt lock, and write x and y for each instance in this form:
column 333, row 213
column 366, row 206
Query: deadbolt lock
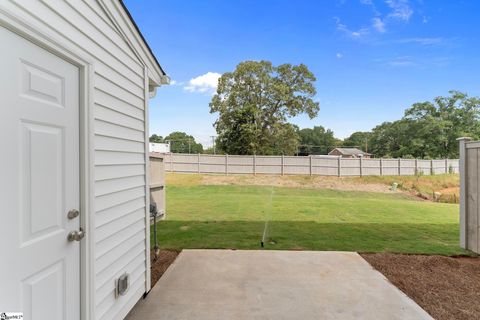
column 72, row 214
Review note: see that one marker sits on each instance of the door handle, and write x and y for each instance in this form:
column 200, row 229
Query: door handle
column 76, row 235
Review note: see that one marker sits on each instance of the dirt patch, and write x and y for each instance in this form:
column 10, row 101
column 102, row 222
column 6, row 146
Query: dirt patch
column 159, row 266
column 316, row 182
column 446, row 287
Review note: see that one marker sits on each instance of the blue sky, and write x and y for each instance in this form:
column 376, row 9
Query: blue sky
column 372, row 58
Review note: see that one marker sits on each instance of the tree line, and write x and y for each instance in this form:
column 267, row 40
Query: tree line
column 256, row 100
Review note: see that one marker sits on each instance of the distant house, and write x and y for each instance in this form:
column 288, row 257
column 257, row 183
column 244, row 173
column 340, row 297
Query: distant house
column 349, row 153
column 160, row 147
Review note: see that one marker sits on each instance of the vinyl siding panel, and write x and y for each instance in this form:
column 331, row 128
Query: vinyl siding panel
column 103, row 158
column 111, row 200
column 118, row 211
column 113, row 116
column 105, row 143
column 118, row 171
column 114, row 130
column 107, row 100
column 119, row 138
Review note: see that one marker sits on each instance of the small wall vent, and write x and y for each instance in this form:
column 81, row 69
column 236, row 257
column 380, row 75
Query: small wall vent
column 121, row 285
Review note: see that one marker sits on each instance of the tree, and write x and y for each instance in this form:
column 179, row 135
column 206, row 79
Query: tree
column 316, row 140
column 441, row 122
column 254, row 103
column 359, row 139
column 429, row 129
column 156, row 139
column 180, row 142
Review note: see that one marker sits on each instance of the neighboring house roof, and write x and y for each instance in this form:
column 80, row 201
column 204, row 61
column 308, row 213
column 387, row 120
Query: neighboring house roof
column 350, row 151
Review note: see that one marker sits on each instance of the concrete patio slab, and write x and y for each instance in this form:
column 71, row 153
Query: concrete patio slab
column 235, row 284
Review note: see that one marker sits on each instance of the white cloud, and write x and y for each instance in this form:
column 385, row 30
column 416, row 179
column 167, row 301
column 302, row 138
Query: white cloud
column 405, row 61
column 206, row 83
column 401, row 9
column 378, row 25
column 351, row 33
column 339, row 55
column 424, row 41
column 173, row 82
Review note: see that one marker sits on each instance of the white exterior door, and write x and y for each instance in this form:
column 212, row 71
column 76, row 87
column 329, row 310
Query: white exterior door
column 39, row 181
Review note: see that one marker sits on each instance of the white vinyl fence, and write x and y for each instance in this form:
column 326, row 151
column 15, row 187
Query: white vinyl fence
column 305, row 165
column 469, row 194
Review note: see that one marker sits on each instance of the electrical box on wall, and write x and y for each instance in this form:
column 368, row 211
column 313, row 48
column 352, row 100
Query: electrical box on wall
column 121, row 285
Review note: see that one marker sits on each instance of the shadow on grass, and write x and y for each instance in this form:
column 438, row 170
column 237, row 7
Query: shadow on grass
column 305, row 235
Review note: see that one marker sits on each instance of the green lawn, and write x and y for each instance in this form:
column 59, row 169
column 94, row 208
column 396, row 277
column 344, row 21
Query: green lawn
column 233, row 216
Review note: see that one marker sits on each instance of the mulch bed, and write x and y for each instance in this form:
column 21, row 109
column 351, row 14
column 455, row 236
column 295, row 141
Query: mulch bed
column 159, row 266
column 445, row 287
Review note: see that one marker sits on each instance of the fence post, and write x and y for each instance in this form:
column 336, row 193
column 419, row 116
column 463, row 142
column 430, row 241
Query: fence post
column 361, row 166
column 254, row 165
column 463, row 190
column 310, row 156
column 432, row 170
column 171, row 162
column 446, row 165
column 339, row 166
column 198, row 163
column 226, row 164
column 283, row 164
column 416, row 166
column 399, row 166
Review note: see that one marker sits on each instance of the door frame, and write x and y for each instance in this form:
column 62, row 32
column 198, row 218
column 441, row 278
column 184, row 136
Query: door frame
column 41, row 36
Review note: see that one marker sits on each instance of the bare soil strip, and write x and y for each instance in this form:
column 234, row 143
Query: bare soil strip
column 159, row 266
column 445, row 287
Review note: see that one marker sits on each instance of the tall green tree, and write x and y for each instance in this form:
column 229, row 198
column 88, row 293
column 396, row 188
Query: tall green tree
column 439, row 123
column 180, row 142
column 254, row 103
column 429, row 129
column 359, row 139
column 156, row 138
column 317, row 140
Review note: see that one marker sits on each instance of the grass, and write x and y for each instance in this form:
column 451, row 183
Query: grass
column 233, row 216
column 447, row 184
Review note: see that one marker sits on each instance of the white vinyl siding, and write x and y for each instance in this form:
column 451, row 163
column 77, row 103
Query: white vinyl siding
column 119, row 143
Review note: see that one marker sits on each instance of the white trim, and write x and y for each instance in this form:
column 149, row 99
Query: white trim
column 148, row 284
column 44, row 39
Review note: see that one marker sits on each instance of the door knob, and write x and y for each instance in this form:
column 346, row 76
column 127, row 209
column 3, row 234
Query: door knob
column 76, row 235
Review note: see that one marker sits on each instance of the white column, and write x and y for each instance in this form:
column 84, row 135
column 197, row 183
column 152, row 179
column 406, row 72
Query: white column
column 463, row 190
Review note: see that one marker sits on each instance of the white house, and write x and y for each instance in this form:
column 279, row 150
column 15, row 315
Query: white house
column 75, row 79
column 159, row 147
